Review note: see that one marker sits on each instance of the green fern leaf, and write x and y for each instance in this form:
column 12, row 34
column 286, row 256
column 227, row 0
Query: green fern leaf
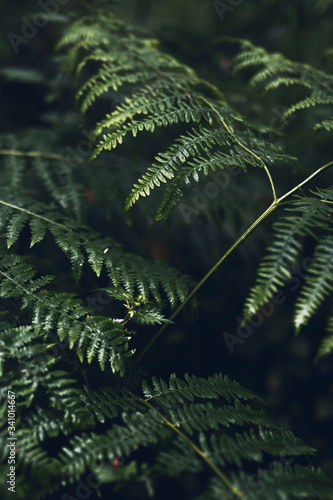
column 276, row 70
column 282, row 482
column 318, row 283
column 283, row 254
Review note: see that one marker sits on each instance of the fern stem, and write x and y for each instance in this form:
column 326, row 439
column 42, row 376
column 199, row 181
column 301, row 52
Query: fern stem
column 15, row 207
column 13, row 152
column 327, row 201
column 202, row 455
column 314, row 174
column 276, row 202
column 25, row 290
column 243, row 146
column 263, row 216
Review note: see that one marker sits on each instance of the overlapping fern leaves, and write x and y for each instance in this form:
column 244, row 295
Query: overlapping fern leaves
column 142, row 287
column 271, row 484
column 137, row 283
column 285, row 262
column 199, row 423
column 80, row 243
column 62, row 313
column 276, row 70
column 67, row 427
column 160, row 91
column 310, row 215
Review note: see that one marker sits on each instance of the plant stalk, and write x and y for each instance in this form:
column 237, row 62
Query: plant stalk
column 206, row 459
column 276, row 202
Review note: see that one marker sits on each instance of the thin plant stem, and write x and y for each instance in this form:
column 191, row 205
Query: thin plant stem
column 34, row 154
column 243, row 146
column 205, row 278
column 202, row 455
column 15, row 207
column 318, row 171
column 276, row 203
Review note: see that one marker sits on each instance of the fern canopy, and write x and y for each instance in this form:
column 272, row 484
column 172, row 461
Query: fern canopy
column 160, row 92
column 82, row 405
column 202, row 422
column 275, row 70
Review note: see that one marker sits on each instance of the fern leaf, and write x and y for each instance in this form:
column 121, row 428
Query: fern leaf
column 186, row 146
column 164, row 92
column 326, row 345
column 276, row 70
column 277, row 265
column 251, row 447
column 326, row 124
column 38, row 229
column 15, row 226
column 318, row 283
column 63, row 312
column 80, row 243
column 285, row 482
column 312, row 101
column 151, row 99
column 175, row 421
column 172, row 115
column 192, row 387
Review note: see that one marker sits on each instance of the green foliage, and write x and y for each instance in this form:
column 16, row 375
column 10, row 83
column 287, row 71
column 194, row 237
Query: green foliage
column 199, row 422
column 265, row 485
column 314, row 215
column 162, row 92
column 79, row 405
column 276, row 70
column 311, row 216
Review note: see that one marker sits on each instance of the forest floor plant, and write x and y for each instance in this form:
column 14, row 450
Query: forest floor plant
column 81, row 415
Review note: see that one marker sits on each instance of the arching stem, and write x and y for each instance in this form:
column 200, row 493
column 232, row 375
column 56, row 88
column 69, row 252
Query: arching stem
column 263, row 216
column 202, row 455
column 233, row 247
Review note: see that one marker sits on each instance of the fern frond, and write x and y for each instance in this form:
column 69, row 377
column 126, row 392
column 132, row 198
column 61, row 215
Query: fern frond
column 68, row 195
column 192, row 387
column 251, row 446
column 326, row 345
column 277, row 70
column 277, row 266
column 213, row 161
column 167, row 415
column 165, row 92
column 184, row 112
column 91, row 336
column 77, row 241
column 68, row 423
column 318, row 283
column 63, row 410
column 170, row 414
column 15, row 216
column 178, row 460
column 326, row 124
column 309, row 102
column 86, row 34
column 55, row 171
column 137, row 275
column 125, row 65
column 95, row 336
column 151, row 99
column 283, row 482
